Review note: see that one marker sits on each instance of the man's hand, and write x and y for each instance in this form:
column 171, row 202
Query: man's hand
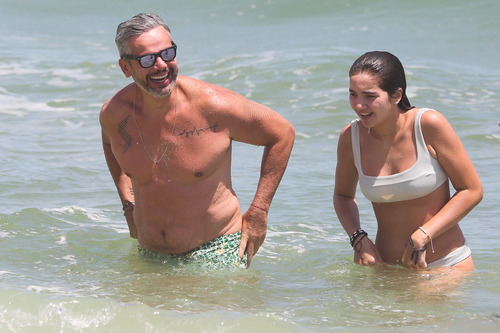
column 253, row 232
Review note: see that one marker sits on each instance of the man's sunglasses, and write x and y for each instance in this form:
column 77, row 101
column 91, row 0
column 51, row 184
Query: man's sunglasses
column 149, row 60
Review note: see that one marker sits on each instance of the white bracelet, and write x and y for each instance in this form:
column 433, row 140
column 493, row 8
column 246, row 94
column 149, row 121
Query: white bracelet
column 425, row 232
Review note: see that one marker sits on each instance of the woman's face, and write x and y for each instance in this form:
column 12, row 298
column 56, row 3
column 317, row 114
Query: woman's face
column 368, row 100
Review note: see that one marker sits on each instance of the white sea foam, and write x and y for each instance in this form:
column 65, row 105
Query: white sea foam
column 62, row 58
column 40, row 289
column 71, row 259
column 19, row 69
column 19, row 105
column 6, row 234
column 303, row 135
column 62, row 240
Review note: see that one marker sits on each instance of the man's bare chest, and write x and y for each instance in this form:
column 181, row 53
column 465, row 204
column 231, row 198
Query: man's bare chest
column 191, row 151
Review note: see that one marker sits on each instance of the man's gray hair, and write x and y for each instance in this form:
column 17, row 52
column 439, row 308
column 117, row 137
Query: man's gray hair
column 134, row 27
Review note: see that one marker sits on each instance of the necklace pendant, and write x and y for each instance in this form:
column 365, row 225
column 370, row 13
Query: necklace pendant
column 171, row 135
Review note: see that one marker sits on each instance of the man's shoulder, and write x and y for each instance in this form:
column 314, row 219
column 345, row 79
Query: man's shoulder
column 196, row 88
column 116, row 105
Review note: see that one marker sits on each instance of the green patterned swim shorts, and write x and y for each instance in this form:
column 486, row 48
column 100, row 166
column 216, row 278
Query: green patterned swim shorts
column 219, row 252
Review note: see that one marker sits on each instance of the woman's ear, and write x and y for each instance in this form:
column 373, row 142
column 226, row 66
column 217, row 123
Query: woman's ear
column 126, row 67
column 397, row 96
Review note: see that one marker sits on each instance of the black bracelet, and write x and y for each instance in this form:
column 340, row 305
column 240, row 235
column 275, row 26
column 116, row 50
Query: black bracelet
column 265, row 210
column 416, row 251
column 128, row 205
column 356, row 234
column 358, row 246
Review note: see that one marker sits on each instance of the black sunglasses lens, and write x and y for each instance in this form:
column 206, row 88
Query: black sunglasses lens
column 147, row 60
column 168, row 54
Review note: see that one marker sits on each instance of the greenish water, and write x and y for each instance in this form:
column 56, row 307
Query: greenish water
column 68, row 264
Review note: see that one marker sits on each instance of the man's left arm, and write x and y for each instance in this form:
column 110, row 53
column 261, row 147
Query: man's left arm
column 263, row 127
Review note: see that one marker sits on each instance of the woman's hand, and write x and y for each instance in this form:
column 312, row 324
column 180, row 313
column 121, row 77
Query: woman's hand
column 365, row 252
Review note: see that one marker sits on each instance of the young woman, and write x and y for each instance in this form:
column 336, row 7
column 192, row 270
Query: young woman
column 404, row 159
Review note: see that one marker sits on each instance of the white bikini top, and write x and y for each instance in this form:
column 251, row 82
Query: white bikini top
column 422, row 178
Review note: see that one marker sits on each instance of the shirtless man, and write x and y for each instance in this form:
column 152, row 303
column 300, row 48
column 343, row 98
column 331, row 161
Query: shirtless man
column 167, row 140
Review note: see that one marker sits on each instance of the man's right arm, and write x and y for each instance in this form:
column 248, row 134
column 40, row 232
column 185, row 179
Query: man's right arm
column 122, row 181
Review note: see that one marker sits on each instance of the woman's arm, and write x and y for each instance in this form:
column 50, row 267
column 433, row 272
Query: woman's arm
column 444, row 144
column 344, row 201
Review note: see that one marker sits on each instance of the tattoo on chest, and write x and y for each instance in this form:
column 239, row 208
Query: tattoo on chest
column 197, row 131
column 124, row 134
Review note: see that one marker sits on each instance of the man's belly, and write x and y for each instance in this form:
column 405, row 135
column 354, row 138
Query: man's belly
column 174, row 230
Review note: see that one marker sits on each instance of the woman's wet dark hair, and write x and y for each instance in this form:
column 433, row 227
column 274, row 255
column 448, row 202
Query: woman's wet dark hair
column 389, row 71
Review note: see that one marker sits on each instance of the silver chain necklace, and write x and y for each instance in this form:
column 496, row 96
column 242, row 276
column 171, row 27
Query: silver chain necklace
column 171, row 135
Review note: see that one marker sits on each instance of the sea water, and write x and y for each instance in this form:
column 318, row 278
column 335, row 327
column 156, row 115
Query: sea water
column 68, row 264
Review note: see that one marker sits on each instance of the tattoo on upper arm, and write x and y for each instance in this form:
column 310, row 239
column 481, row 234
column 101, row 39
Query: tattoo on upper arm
column 124, row 134
column 197, row 131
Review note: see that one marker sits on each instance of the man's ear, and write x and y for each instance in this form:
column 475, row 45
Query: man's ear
column 125, row 66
